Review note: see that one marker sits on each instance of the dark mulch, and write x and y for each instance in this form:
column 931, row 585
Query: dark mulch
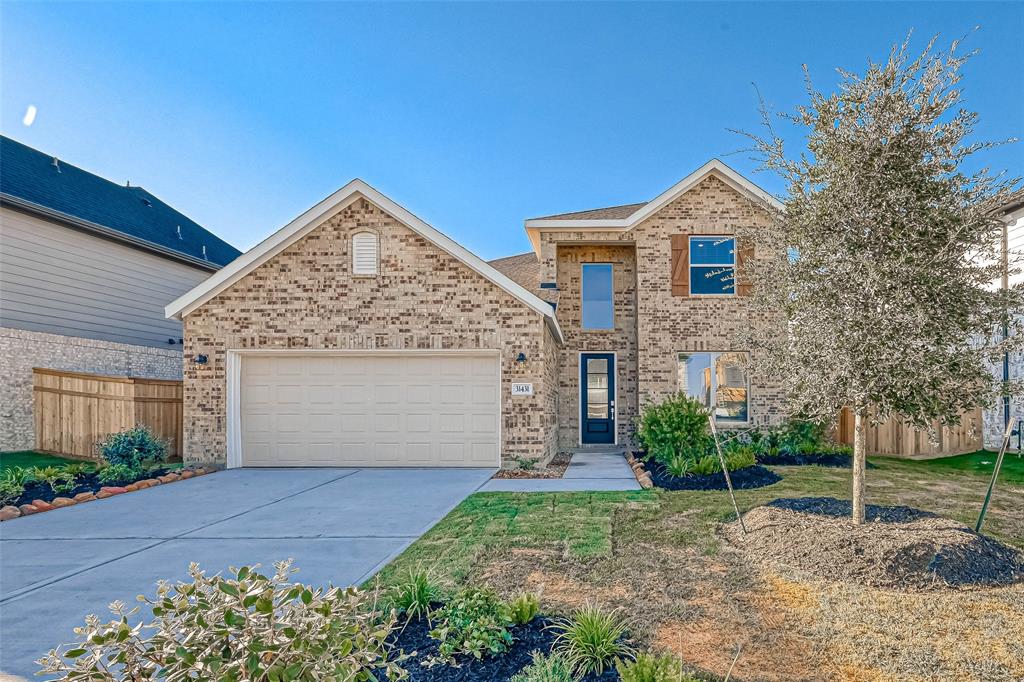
column 40, row 490
column 898, row 548
column 531, row 637
column 749, row 477
column 824, row 459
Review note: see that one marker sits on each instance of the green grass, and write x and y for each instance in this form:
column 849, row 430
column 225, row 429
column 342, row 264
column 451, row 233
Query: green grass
column 980, row 462
column 29, row 458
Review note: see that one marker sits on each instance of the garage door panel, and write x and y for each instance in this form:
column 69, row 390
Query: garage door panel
column 424, row 409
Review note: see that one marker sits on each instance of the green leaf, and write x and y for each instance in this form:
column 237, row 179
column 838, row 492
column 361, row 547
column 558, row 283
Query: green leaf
column 74, row 653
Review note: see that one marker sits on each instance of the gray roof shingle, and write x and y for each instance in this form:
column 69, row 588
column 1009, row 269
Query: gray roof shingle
column 28, row 175
column 523, row 269
column 607, row 213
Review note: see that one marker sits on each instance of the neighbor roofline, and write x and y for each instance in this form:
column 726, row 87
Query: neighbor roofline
column 314, row 217
column 74, row 222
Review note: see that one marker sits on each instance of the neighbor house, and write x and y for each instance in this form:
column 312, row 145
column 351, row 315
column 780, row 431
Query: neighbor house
column 86, row 268
column 359, row 335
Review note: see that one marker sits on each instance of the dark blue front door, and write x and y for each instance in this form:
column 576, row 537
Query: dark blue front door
column 597, row 397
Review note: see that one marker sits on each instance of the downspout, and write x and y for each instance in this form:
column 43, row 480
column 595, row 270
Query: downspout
column 1006, row 326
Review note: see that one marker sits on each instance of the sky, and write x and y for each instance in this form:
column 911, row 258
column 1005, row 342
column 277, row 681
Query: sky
column 474, row 116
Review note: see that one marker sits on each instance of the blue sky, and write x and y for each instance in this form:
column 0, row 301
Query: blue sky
column 473, row 116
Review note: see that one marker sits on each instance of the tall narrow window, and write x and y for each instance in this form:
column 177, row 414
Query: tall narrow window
column 718, row 381
column 365, row 253
column 598, row 304
column 712, row 266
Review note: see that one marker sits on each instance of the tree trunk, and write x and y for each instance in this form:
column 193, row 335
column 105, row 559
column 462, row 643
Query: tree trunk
column 859, row 463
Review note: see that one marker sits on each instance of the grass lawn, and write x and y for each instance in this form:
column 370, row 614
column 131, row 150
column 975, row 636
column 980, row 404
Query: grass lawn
column 29, row 458
column 657, row 556
column 981, row 462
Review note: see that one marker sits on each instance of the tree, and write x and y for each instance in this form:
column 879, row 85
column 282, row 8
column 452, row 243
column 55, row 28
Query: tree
column 891, row 246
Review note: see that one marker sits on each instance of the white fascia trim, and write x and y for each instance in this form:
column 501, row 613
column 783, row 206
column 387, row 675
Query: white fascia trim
column 305, row 223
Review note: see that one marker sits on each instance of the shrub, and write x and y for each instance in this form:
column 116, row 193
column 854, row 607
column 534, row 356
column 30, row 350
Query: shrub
column 474, row 623
column 118, row 473
column 74, row 470
column 675, row 429
column 524, row 608
column 414, row 595
column 650, row 668
column 133, row 447
column 590, row 640
column 543, row 668
column 10, row 490
column 740, row 458
column 55, row 477
column 526, row 464
column 20, row 475
column 245, row 626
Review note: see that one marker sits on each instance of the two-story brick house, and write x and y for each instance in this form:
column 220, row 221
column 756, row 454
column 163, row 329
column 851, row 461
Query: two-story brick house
column 359, row 335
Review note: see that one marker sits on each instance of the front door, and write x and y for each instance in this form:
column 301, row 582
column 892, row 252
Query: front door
column 597, row 397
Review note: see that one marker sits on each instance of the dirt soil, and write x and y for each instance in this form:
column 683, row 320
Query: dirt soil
column 898, row 548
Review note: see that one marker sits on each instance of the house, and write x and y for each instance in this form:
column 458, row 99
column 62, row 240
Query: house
column 86, row 268
column 359, row 335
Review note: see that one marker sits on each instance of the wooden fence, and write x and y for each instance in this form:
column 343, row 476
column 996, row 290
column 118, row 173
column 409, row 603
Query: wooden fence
column 75, row 411
column 897, row 439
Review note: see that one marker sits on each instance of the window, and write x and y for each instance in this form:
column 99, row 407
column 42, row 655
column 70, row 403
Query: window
column 365, row 256
column 718, row 381
column 712, row 266
column 598, row 308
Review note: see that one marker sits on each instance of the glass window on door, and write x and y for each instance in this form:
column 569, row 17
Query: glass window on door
column 719, row 382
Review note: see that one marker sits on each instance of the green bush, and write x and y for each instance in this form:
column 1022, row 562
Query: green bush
column 414, row 595
column 524, row 608
column 20, row 475
column 133, row 447
column 544, row 669
column 56, row 478
column 675, row 431
column 10, row 490
column 75, row 470
column 650, row 668
column 473, row 623
column 590, row 640
column 118, row 473
column 245, row 626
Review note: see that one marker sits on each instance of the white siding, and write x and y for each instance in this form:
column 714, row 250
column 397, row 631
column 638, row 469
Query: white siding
column 1015, row 248
column 63, row 281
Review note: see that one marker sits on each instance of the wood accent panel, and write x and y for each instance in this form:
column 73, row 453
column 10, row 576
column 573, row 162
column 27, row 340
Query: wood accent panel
column 75, row 411
column 897, row 439
column 680, row 265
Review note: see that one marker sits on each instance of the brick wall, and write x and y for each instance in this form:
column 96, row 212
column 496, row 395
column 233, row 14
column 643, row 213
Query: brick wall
column 305, row 297
column 22, row 350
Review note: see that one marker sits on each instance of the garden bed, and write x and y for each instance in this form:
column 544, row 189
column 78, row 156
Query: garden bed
column 898, row 547
column 555, row 469
column 86, row 483
column 821, row 459
column 534, row 636
column 747, row 477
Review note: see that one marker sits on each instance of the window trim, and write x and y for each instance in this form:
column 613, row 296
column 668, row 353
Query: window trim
column 612, row 302
column 376, row 245
column 690, row 265
column 723, row 422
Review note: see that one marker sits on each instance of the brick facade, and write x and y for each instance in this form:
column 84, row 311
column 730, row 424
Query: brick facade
column 21, row 350
column 423, row 298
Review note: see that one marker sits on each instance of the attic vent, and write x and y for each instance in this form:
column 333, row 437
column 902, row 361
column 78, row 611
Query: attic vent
column 56, row 164
column 364, row 253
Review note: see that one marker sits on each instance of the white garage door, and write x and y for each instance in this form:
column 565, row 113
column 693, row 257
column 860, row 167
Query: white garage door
column 386, row 409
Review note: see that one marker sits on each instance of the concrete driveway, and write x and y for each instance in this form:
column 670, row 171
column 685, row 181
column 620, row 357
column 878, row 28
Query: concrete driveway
column 340, row 526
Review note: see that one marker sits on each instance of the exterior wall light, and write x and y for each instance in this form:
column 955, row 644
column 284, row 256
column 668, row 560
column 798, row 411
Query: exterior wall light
column 201, row 359
column 521, row 357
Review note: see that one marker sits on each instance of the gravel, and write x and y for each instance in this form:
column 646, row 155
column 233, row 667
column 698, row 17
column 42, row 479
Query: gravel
column 899, row 548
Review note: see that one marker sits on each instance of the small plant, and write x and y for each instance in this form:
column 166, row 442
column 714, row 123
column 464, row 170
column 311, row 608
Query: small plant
column 10, row 490
column 650, row 668
column 74, row 470
column 118, row 473
column 525, row 464
column 740, row 458
column 414, row 596
column 55, row 478
column 590, row 640
column 474, row 623
column 20, row 475
column 242, row 626
column 133, row 447
column 524, row 608
column 543, row 668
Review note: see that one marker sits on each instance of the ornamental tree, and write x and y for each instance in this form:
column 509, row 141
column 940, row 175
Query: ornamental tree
column 891, row 247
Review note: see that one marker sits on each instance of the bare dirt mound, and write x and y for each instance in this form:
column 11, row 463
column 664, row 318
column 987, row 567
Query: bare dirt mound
column 898, row 548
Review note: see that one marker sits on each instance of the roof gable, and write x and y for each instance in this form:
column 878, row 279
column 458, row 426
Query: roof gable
column 315, row 216
column 43, row 184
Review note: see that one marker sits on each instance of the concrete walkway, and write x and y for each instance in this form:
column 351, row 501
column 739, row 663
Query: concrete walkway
column 340, row 526
column 604, row 469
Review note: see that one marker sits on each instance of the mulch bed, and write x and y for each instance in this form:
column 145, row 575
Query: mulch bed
column 749, row 477
column 898, row 547
column 40, row 490
column 555, row 469
column 533, row 636
column 825, row 459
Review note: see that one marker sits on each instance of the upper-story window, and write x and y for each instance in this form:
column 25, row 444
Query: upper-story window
column 598, row 303
column 712, row 266
column 365, row 253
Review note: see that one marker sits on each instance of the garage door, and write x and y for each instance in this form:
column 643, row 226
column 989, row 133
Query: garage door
column 417, row 409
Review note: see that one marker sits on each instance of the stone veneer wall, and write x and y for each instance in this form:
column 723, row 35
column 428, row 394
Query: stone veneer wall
column 423, row 298
column 22, row 350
